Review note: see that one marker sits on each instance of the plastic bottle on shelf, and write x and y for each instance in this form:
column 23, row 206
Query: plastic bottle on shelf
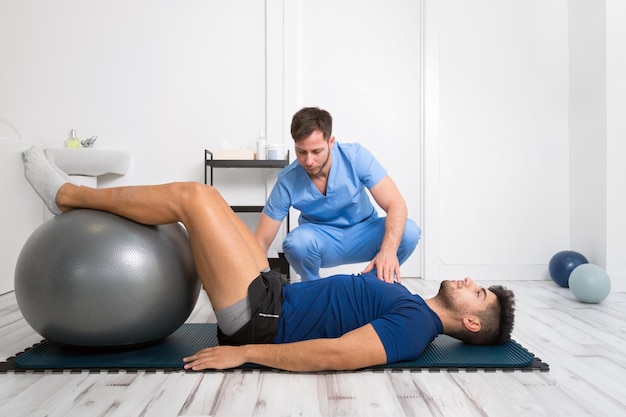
column 261, row 145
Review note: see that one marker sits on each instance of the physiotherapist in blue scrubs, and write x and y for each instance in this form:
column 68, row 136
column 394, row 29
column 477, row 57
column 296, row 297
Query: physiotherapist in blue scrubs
column 338, row 223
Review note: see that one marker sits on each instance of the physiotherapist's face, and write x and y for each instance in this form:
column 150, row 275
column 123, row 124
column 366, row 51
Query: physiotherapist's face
column 313, row 153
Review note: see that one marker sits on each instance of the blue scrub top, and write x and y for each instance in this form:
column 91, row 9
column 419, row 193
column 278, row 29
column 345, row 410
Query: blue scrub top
column 346, row 202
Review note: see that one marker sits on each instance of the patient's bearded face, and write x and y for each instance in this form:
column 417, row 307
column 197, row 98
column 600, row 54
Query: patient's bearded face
column 446, row 294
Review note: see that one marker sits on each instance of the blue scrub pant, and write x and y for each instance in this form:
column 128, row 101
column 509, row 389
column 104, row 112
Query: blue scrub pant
column 310, row 247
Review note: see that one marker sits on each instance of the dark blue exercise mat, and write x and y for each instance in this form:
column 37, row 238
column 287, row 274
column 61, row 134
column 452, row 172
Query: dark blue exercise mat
column 443, row 354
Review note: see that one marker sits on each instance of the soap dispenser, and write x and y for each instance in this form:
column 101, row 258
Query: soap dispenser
column 72, row 140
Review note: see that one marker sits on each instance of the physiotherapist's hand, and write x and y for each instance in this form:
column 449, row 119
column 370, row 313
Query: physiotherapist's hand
column 387, row 267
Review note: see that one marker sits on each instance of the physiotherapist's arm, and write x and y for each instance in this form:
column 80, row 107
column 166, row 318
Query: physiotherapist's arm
column 388, row 197
column 357, row 349
column 266, row 231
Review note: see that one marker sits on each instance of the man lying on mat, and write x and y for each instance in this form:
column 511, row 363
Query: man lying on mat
column 341, row 323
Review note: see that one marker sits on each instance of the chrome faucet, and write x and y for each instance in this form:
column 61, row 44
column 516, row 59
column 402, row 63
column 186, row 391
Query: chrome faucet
column 88, row 143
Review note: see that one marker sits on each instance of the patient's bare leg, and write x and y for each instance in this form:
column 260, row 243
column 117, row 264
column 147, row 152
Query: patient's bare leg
column 226, row 255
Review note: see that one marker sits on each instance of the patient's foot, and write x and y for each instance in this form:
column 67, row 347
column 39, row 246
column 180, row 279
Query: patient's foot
column 58, row 170
column 43, row 176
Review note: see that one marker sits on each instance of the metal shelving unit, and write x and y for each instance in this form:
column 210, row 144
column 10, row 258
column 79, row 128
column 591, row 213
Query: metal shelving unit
column 210, row 164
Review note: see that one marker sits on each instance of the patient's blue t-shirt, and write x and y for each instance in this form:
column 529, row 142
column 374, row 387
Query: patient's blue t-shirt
column 346, row 201
column 331, row 307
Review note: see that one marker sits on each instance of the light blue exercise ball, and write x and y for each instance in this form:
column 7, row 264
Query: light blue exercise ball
column 589, row 283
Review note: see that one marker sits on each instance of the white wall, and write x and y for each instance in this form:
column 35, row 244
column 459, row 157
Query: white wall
column 162, row 79
column 587, row 119
column 21, row 211
column 497, row 198
column 524, row 136
column 166, row 79
column 616, row 142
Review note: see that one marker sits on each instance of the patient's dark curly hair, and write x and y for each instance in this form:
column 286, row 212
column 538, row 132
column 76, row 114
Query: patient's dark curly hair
column 496, row 320
column 506, row 300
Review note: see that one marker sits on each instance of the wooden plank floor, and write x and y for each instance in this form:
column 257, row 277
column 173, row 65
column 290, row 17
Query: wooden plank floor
column 582, row 343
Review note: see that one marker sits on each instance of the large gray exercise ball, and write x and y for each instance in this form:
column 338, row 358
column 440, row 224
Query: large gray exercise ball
column 91, row 278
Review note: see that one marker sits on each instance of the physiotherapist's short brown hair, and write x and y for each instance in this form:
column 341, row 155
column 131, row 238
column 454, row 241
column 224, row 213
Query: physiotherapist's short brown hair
column 309, row 119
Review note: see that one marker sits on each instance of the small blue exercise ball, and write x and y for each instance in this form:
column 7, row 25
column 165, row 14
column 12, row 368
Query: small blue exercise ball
column 93, row 279
column 562, row 264
column 589, row 283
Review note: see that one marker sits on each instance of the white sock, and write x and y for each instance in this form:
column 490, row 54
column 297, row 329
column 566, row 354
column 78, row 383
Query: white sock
column 43, row 177
column 58, row 170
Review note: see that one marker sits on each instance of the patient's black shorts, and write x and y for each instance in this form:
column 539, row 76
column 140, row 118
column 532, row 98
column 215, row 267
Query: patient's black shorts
column 266, row 299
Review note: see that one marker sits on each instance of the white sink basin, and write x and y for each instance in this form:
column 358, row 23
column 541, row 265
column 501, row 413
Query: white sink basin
column 91, row 162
